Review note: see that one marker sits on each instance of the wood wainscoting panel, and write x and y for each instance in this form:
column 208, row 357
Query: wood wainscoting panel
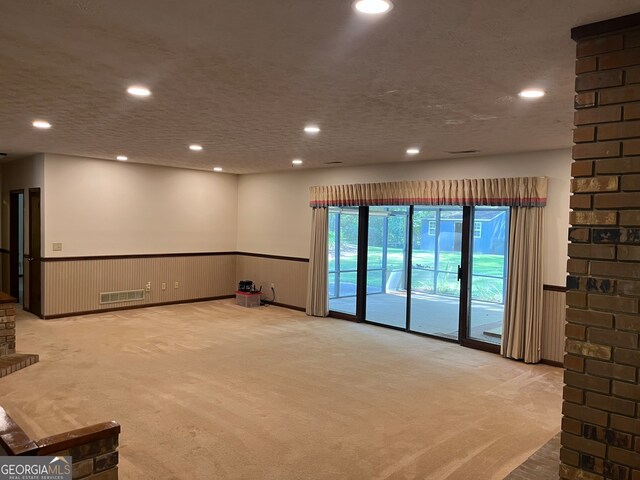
column 74, row 285
column 553, row 320
column 289, row 277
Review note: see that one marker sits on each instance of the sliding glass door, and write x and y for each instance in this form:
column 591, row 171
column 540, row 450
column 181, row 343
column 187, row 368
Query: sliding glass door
column 343, row 259
column 434, row 270
column 489, row 247
column 435, row 261
column 387, row 256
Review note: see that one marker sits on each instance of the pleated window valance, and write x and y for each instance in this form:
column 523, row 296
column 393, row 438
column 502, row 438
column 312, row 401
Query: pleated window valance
column 513, row 192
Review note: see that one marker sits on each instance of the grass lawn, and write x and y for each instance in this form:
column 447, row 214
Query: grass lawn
column 423, row 264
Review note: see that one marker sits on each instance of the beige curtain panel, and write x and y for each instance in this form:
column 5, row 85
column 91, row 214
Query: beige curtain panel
column 317, row 282
column 515, row 192
column 522, row 324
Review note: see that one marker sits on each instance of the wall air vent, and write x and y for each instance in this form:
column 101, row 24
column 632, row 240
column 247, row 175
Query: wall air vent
column 117, row 297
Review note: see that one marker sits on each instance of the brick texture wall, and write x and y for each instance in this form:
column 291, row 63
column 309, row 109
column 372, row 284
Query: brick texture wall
column 7, row 329
column 601, row 424
column 94, row 450
column 95, row 460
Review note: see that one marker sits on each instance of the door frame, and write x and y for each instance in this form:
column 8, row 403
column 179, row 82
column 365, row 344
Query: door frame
column 35, row 257
column 468, row 220
column 463, row 280
column 365, row 237
column 361, row 275
column 14, row 243
column 409, row 269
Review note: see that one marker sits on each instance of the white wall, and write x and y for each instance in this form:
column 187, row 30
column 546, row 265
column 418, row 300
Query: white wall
column 102, row 207
column 274, row 215
column 21, row 174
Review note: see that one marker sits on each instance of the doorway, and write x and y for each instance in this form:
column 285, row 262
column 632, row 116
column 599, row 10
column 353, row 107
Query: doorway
column 16, row 245
column 33, row 258
column 432, row 270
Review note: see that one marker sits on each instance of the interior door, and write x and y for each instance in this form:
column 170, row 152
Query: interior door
column 34, row 256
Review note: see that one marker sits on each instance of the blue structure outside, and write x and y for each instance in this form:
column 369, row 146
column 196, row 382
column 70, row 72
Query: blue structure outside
column 488, row 232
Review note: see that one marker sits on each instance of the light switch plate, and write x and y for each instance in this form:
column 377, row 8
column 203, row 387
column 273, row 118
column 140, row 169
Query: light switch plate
column 57, row 246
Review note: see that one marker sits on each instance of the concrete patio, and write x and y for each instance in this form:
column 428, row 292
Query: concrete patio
column 432, row 314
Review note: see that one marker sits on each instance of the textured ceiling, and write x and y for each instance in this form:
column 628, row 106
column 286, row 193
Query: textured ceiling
column 243, row 77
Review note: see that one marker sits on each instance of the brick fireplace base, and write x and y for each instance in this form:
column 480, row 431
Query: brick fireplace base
column 10, row 361
column 16, row 361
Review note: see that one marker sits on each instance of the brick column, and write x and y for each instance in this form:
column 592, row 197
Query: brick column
column 601, row 424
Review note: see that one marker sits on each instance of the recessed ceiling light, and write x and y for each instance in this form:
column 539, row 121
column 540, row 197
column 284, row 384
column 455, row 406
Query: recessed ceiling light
column 217, row 169
column 195, row 148
column 122, row 158
column 312, row 129
column 413, row 151
column 373, row 7
column 139, row 91
column 296, row 161
column 532, row 93
column 43, row 124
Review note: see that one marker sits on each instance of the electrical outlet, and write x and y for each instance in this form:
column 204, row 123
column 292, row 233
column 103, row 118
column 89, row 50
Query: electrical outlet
column 164, row 286
column 57, row 246
column 273, row 285
column 176, row 285
column 148, row 287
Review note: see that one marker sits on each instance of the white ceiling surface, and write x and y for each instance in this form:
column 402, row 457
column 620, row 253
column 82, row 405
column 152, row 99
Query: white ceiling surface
column 243, row 77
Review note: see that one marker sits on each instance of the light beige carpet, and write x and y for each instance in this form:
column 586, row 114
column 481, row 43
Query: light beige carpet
column 216, row 391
